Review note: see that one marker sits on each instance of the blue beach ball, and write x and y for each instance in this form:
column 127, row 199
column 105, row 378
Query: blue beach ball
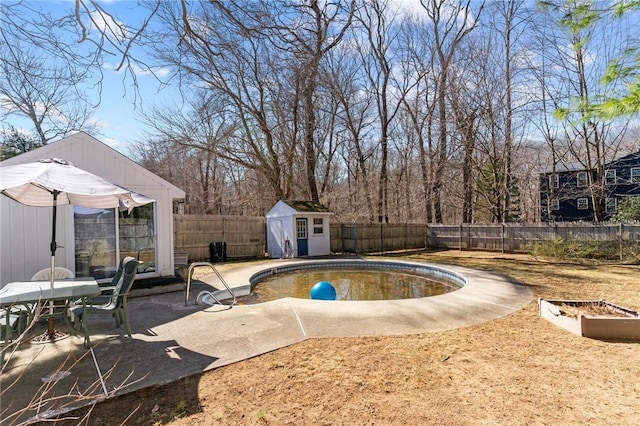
column 323, row 290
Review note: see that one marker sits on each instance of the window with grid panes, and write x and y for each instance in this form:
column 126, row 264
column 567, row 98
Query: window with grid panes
column 610, row 178
column 583, row 203
column 582, row 179
column 318, row 226
column 611, row 205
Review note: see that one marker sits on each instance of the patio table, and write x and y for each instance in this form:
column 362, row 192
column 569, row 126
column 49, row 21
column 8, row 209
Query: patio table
column 26, row 292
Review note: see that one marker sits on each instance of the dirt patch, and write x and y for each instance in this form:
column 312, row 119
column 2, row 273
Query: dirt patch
column 515, row 370
column 591, row 310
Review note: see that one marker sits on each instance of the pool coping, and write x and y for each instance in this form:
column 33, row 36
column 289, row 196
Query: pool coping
column 483, row 297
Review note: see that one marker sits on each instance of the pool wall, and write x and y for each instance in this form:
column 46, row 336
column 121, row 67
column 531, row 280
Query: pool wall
column 426, row 270
column 430, row 271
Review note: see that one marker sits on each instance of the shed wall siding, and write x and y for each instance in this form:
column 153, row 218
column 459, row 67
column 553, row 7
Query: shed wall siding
column 279, row 229
column 319, row 245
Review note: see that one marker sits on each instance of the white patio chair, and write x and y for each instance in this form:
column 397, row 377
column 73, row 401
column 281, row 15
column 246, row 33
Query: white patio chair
column 59, row 273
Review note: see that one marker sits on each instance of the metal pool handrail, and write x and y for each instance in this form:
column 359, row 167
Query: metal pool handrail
column 189, row 273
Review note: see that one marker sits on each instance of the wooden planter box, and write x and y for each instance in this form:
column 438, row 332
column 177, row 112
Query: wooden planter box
column 624, row 325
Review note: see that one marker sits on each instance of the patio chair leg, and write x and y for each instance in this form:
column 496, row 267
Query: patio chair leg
column 126, row 318
column 126, row 325
column 77, row 321
column 119, row 316
column 67, row 319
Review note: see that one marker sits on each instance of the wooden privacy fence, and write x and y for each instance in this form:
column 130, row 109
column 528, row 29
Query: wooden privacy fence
column 371, row 238
column 245, row 237
column 367, row 238
column 520, row 237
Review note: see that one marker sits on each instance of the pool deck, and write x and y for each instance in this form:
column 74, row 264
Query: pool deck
column 186, row 340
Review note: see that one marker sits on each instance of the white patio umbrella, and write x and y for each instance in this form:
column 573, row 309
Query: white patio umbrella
column 53, row 182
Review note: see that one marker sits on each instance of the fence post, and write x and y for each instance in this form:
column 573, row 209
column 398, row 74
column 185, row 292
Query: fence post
column 620, row 240
column 426, row 236
column 224, row 229
column 460, row 237
column 502, row 237
column 406, row 236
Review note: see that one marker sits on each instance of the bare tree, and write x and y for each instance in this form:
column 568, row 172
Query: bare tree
column 252, row 87
column 377, row 19
column 14, row 143
column 510, row 20
column 420, row 105
column 310, row 30
column 451, row 24
column 48, row 57
column 345, row 81
column 327, row 130
column 493, row 87
column 466, row 108
column 546, row 100
column 195, row 133
column 41, row 72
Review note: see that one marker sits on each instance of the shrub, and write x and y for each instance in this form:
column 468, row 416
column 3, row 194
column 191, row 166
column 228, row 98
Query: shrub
column 570, row 248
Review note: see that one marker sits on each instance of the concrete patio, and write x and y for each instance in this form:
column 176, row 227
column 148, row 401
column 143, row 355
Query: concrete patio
column 171, row 341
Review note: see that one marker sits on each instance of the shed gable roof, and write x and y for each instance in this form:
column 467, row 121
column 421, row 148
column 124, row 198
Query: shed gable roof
column 307, row 206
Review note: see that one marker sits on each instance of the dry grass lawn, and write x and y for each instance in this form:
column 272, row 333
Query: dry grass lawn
column 516, row 370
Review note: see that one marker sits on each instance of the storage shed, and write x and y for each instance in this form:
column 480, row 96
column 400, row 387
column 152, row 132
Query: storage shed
column 297, row 229
column 91, row 241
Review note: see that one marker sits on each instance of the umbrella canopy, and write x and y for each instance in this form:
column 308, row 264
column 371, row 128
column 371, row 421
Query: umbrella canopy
column 52, row 182
column 34, row 184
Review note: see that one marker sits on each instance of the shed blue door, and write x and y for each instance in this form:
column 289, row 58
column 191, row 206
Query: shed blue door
column 302, row 237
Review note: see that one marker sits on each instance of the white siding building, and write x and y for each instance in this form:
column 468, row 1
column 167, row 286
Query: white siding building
column 91, row 241
column 297, row 229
